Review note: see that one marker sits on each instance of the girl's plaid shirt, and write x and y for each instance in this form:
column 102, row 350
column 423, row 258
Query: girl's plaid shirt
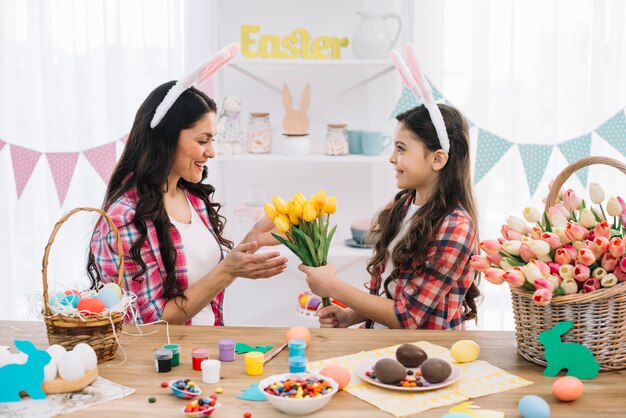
column 430, row 295
column 149, row 286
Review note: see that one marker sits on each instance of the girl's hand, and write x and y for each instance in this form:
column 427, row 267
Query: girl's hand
column 335, row 317
column 322, row 280
column 242, row 262
column 261, row 232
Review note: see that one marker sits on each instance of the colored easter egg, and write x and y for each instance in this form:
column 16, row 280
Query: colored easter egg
column 56, row 299
column 298, row 333
column 50, row 370
column 70, row 300
column 57, row 352
column 532, row 406
column 71, row 366
column 567, row 388
column 108, row 297
column 90, row 359
column 114, row 288
column 465, row 351
column 72, row 292
column 339, row 374
column 90, row 305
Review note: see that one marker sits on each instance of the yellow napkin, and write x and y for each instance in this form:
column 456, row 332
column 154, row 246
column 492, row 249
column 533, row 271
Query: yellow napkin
column 478, row 378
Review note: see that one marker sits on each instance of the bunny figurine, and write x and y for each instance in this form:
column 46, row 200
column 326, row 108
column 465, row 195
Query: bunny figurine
column 296, row 122
column 27, row 377
column 230, row 134
column 576, row 358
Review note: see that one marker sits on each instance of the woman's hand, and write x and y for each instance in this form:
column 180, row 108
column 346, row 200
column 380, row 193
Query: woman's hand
column 242, row 262
column 261, row 232
column 335, row 317
column 322, row 280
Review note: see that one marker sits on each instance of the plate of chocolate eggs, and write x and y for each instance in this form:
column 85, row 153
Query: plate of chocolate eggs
column 411, row 370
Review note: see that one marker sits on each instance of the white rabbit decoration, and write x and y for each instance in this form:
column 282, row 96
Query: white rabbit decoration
column 230, row 134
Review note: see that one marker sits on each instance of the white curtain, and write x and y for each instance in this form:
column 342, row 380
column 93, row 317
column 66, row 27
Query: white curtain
column 530, row 71
column 72, row 75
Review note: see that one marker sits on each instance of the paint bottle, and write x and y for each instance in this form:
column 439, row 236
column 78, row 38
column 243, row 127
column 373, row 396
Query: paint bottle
column 227, row 350
column 297, row 364
column 210, row 371
column 297, row 348
column 254, row 363
column 197, row 356
column 175, row 349
column 163, row 361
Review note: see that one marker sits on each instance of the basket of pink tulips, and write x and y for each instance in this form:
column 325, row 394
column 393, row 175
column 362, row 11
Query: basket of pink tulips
column 567, row 264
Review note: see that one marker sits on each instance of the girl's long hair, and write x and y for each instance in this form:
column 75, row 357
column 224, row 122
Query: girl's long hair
column 147, row 160
column 454, row 190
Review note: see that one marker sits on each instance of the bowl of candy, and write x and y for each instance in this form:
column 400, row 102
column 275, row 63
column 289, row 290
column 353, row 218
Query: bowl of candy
column 185, row 389
column 298, row 393
column 202, row 407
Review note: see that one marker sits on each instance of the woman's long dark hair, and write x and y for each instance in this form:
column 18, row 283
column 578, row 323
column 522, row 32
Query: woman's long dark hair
column 454, row 190
column 147, row 160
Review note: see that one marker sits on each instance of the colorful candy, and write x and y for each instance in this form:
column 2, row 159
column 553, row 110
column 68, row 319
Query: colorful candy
column 292, row 388
column 186, row 385
column 201, row 404
column 152, row 399
column 411, row 380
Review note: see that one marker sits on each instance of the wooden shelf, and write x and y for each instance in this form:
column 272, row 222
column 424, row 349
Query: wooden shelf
column 266, row 158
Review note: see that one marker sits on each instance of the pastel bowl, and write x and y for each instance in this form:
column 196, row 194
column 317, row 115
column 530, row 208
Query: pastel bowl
column 207, row 412
column 297, row 406
column 182, row 393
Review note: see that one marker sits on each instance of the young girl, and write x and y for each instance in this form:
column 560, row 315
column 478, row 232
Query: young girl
column 424, row 239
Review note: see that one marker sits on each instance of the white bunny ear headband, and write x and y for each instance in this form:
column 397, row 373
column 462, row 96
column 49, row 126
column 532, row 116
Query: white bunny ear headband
column 414, row 80
column 206, row 70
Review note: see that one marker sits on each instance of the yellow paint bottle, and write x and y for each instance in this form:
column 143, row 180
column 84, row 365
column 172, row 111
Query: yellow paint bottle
column 254, row 363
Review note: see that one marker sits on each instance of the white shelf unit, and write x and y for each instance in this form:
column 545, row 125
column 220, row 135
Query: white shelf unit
column 312, row 62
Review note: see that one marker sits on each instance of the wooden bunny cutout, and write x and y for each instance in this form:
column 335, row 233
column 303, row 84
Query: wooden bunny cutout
column 28, row 377
column 296, row 122
column 576, row 358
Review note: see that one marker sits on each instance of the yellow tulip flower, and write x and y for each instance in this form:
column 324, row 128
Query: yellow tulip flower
column 282, row 223
column 294, row 220
column 320, row 199
column 280, row 205
column 309, row 213
column 295, row 209
column 270, row 211
column 330, row 206
column 300, row 198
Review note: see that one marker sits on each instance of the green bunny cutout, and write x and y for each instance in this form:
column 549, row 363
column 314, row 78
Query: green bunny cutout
column 576, row 358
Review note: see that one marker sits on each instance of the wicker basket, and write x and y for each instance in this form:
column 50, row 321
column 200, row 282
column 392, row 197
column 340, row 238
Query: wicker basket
column 95, row 330
column 599, row 317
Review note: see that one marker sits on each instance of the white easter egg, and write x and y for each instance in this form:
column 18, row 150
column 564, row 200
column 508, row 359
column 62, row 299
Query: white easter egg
column 57, row 352
column 108, row 297
column 114, row 288
column 50, row 370
column 71, row 366
column 17, row 358
column 90, row 359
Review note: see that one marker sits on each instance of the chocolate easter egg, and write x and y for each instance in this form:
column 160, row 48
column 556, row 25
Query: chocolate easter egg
column 389, row 371
column 410, row 355
column 436, row 370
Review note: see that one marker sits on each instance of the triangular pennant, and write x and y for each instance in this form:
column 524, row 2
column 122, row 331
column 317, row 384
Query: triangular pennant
column 574, row 150
column 62, row 165
column 407, row 101
column 123, row 139
column 2, row 144
column 489, row 149
column 614, row 131
column 24, row 162
column 436, row 93
column 102, row 160
column 535, row 158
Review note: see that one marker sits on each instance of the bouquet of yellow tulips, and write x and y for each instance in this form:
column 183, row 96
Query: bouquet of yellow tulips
column 305, row 224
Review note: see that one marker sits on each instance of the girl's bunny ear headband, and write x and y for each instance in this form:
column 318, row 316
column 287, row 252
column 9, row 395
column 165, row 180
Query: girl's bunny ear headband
column 414, row 80
column 210, row 67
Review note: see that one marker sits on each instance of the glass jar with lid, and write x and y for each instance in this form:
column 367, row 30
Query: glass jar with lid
column 259, row 134
column 336, row 139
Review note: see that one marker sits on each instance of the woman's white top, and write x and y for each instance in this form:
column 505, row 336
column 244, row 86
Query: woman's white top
column 202, row 254
column 404, row 229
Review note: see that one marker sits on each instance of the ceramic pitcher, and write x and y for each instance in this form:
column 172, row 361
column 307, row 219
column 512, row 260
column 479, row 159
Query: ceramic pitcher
column 372, row 39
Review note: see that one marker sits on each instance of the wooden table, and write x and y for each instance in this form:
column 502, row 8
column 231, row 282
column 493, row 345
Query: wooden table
column 603, row 396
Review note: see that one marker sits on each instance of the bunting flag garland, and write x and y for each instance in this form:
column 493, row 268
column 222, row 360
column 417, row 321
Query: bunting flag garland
column 2, row 143
column 62, row 166
column 102, row 159
column 24, row 161
column 491, row 148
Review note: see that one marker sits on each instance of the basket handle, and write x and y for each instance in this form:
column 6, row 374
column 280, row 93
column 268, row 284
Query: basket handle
column 57, row 226
column 572, row 168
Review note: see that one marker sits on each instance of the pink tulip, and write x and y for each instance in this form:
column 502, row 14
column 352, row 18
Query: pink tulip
column 544, row 284
column 591, row 235
column 480, row 263
column 510, row 234
column 515, row 277
column 620, row 274
column 562, row 256
column 581, row 272
column 563, row 210
column 602, row 230
column 622, row 264
column 622, row 204
column 526, row 253
column 494, row 275
column 591, row 285
column 586, row 257
column 617, row 247
column 576, row 232
column 552, row 239
column 543, row 267
column 608, row 262
column 600, row 245
column 554, row 268
column 542, row 296
column 494, row 258
column 535, row 233
column 490, row 246
column 570, row 200
column 573, row 252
